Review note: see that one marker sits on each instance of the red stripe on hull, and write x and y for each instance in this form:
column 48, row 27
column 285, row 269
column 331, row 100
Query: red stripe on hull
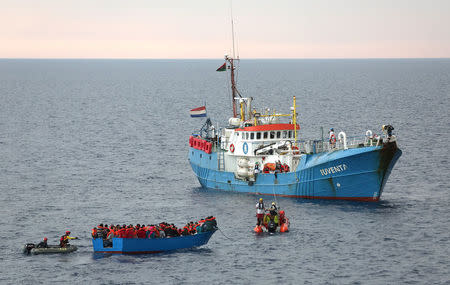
column 360, row 199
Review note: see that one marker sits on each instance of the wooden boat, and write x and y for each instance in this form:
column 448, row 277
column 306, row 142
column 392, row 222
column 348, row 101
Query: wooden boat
column 152, row 245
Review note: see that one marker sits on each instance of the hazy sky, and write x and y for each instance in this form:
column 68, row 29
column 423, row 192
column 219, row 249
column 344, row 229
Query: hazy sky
column 201, row 28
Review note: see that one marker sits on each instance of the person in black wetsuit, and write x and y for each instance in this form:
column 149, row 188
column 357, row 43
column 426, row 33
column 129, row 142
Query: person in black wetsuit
column 387, row 129
column 273, row 209
column 42, row 244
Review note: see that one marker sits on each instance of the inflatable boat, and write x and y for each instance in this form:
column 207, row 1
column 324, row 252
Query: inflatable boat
column 31, row 249
column 271, row 225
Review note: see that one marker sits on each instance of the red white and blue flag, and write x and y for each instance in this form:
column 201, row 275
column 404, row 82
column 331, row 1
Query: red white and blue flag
column 198, row 112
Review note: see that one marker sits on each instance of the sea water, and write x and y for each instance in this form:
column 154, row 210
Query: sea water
column 84, row 142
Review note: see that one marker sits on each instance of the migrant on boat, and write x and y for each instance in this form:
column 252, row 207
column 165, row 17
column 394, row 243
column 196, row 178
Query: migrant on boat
column 141, row 239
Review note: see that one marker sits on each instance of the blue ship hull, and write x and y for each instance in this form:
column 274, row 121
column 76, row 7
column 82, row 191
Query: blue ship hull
column 352, row 174
column 141, row 246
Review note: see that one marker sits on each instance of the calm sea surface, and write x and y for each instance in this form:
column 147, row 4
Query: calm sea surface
column 90, row 141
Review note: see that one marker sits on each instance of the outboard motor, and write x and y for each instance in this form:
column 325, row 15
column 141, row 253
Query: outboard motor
column 28, row 247
column 271, row 226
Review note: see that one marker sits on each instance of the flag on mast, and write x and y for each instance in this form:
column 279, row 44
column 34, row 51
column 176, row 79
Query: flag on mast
column 198, row 112
column 223, row 67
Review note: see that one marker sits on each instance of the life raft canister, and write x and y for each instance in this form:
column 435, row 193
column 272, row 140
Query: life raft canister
column 232, row 148
column 208, row 147
column 195, row 143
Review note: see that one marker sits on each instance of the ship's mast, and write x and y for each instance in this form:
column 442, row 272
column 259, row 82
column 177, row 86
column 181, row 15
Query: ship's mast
column 231, row 60
column 233, row 83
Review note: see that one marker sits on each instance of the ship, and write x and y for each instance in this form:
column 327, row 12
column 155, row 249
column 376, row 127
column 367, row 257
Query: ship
column 260, row 152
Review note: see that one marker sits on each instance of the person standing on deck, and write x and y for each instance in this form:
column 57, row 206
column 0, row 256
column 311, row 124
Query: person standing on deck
column 332, row 138
column 260, row 210
column 256, row 170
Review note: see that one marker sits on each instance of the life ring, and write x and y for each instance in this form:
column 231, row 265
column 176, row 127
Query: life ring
column 245, row 148
column 232, row 148
column 295, row 149
column 332, row 139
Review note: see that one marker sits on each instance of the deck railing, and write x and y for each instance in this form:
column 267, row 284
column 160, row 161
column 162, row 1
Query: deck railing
column 316, row 146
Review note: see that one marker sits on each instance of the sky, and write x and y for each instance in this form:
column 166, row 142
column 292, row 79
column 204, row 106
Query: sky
column 201, row 29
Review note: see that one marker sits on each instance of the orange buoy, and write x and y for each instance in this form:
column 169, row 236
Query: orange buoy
column 284, row 228
column 258, row 229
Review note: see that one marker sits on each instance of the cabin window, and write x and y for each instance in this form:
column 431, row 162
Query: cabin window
column 246, row 136
column 209, row 157
column 252, row 136
column 237, row 134
column 258, row 136
column 201, row 155
column 265, row 135
column 290, row 134
column 278, row 134
column 272, row 135
column 284, row 134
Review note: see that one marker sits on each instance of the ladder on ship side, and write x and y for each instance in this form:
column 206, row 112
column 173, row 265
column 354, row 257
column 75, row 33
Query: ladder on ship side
column 221, row 160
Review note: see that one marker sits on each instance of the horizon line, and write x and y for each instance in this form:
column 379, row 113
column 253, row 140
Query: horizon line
column 213, row 58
